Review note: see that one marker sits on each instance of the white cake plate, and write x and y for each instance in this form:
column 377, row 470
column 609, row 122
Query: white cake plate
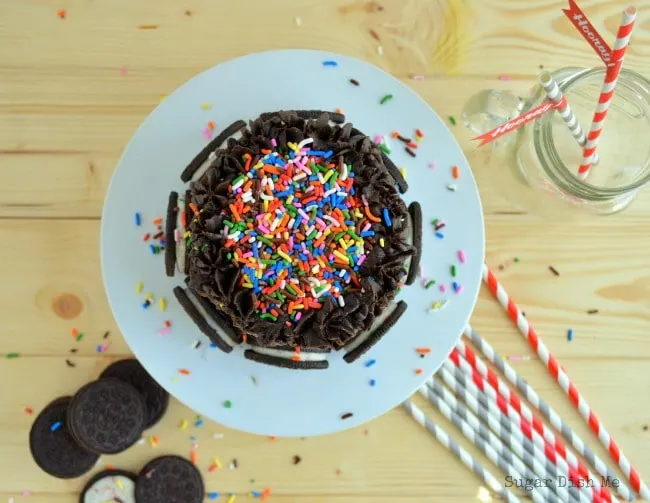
column 268, row 400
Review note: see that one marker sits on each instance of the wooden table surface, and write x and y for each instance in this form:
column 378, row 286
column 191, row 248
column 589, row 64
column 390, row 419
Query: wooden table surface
column 73, row 91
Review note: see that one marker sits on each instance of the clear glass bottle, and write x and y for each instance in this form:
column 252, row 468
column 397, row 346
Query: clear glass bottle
column 535, row 166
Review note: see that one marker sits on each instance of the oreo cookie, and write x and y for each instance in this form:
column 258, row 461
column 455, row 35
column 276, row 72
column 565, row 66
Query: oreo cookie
column 107, row 416
column 110, row 485
column 415, row 210
column 155, row 397
column 286, row 363
column 169, row 479
column 52, row 446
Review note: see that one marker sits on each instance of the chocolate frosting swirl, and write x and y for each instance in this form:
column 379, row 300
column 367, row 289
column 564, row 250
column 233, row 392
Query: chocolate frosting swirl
column 215, row 277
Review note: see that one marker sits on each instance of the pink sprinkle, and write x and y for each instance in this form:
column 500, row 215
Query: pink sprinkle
column 123, row 70
column 378, row 139
column 361, row 260
column 460, row 289
column 432, row 165
column 177, row 235
column 417, row 77
column 26, row 492
column 461, row 256
column 425, row 280
column 443, row 288
column 298, row 316
column 207, row 132
column 273, row 142
column 164, row 331
column 504, row 77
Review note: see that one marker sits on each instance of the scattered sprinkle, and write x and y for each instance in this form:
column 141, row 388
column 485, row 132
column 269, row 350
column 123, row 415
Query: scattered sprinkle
column 354, row 82
column 266, row 494
column 139, row 287
column 207, row 133
column 138, row 219
column 164, row 331
column 429, row 284
column 11, row 356
column 234, row 464
column 443, row 288
column 198, row 423
column 553, row 270
column 452, row 187
column 380, row 50
column 374, row 35
column 440, row 235
column 419, row 132
column 153, row 441
column 69, row 363
column 569, row 335
column 184, row 372
column 387, row 220
column 231, row 499
column 227, row 404
column 462, row 256
column 386, row 99
column 298, row 21
column 455, row 172
column 372, row 382
column 417, row 77
column 423, row 351
column 410, row 152
column 370, row 363
column 418, row 372
column 162, row 304
column 194, row 456
column 213, row 496
column 330, row 63
column 211, row 125
column 504, row 77
column 55, row 426
column 347, row 415
column 62, row 14
column 29, row 411
column 106, row 334
column 101, row 348
column 432, row 165
column 457, row 288
column 206, row 106
column 438, row 305
column 296, row 459
column 217, row 436
column 593, row 311
column 452, row 119
column 384, row 148
column 183, row 424
column 148, row 27
column 517, row 260
column 453, row 271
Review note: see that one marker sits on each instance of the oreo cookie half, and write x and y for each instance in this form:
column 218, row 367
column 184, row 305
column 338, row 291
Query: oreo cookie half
column 53, row 447
column 107, row 416
column 110, row 485
column 132, row 372
column 169, row 479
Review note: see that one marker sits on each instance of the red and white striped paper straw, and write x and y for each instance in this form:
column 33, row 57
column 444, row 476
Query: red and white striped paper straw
column 565, row 383
column 607, row 91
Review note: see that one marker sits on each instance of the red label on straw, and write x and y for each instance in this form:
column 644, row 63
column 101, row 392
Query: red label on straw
column 517, row 122
column 582, row 24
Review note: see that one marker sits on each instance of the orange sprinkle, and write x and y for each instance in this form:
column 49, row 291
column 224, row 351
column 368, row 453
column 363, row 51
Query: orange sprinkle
column 371, row 217
column 184, row 219
column 234, row 212
column 168, row 323
column 273, row 439
column 266, row 494
column 110, row 467
column 212, row 468
column 146, row 237
column 157, row 221
column 29, row 411
column 194, row 208
column 412, row 144
column 211, row 125
column 423, row 351
column 244, row 338
column 339, row 111
column 74, row 332
column 265, row 151
column 395, row 134
column 419, row 133
column 194, row 457
column 184, row 372
column 62, row 13
column 455, row 172
column 418, row 372
column 298, row 290
column 296, row 358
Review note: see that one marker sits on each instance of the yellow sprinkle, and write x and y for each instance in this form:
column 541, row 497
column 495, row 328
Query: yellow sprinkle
column 292, row 145
column 267, row 217
column 299, row 306
column 187, row 234
column 184, row 424
column 381, row 242
column 285, row 235
column 284, row 256
column 290, row 199
column 247, row 285
column 320, row 261
column 148, row 295
column 266, row 205
column 206, row 106
column 153, row 441
column 119, row 484
column 341, row 256
column 418, row 138
column 328, row 174
column 232, row 498
column 343, row 245
column 357, row 213
column 162, row 304
column 258, row 165
column 403, row 172
column 139, row 287
column 217, row 463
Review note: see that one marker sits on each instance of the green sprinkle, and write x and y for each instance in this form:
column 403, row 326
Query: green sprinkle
column 339, row 236
column 80, row 337
column 452, row 119
column 237, row 180
column 516, row 260
column 386, row 99
column 265, row 240
column 229, row 256
column 430, row 284
column 266, row 261
column 353, row 235
column 228, row 223
column 453, row 271
column 435, row 221
column 268, row 316
column 385, row 149
column 252, row 481
column 312, row 234
column 227, row 404
column 11, row 356
column 204, row 247
column 291, row 290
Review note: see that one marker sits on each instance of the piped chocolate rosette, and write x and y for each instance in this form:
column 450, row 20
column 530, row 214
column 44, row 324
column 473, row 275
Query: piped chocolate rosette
column 295, row 240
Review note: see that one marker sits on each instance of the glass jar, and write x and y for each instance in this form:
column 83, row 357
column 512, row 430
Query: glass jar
column 536, row 165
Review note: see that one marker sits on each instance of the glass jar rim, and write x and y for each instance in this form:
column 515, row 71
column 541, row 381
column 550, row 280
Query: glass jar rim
column 543, row 140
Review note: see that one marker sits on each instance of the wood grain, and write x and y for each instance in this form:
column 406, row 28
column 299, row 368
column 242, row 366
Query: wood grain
column 73, row 91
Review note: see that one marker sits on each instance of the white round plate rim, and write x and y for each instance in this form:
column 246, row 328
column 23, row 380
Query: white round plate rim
column 283, row 402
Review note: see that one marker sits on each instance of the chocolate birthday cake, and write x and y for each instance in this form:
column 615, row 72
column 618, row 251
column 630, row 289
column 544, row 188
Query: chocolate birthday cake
column 293, row 239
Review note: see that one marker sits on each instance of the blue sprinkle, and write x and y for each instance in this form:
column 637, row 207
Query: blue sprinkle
column 55, row 426
column 199, row 423
column 213, row 345
column 570, row 334
column 193, row 438
column 145, row 305
column 370, row 363
column 372, row 382
column 256, row 494
column 330, row 63
column 367, row 234
column 455, row 286
column 153, row 249
column 440, row 235
column 213, row 496
column 328, row 154
column 138, row 219
column 387, row 219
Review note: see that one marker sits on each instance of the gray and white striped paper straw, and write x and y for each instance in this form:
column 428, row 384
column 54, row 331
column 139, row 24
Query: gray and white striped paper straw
column 547, row 411
column 467, row 459
column 549, row 84
column 467, row 390
column 492, row 447
column 524, row 450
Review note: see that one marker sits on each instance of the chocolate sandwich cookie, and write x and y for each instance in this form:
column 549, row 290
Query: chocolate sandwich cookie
column 169, row 479
column 132, row 372
column 107, row 416
column 115, row 486
column 170, row 227
column 52, row 446
column 415, row 210
column 287, row 363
